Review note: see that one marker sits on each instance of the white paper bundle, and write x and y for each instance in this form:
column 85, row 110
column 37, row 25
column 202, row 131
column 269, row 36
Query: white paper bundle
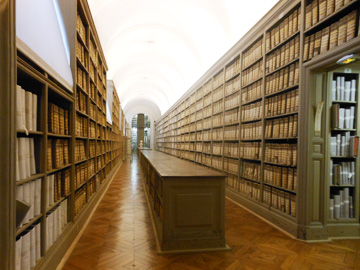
column 32, row 248
column 18, row 254
column 25, row 252
column 38, row 241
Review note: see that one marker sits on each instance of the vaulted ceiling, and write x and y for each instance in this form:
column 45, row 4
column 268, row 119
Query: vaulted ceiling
column 157, row 49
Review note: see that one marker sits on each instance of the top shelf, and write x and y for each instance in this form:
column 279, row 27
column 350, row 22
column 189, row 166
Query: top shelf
column 329, row 18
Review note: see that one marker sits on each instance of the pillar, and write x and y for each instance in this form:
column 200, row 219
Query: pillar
column 140, row 128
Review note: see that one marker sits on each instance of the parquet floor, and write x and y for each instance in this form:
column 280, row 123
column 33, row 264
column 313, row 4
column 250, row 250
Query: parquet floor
column 120, row 236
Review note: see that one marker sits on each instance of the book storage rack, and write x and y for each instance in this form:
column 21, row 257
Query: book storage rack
column 255, row 136
column 66, row 152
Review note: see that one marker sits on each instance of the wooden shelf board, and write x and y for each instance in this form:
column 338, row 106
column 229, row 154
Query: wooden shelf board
column 29, row 179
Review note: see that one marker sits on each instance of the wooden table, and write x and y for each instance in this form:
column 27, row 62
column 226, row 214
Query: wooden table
column 187, row 202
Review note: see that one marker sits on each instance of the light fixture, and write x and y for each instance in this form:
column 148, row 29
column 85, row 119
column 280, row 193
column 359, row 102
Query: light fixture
column 347, row 59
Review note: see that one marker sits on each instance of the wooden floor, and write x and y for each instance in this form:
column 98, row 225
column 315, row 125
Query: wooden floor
column 120, row 236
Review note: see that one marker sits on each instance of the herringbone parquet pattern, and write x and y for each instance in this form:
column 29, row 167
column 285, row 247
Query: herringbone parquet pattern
column 119, row 236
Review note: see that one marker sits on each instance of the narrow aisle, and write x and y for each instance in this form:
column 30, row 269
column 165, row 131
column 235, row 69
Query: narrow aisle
column 120, row 236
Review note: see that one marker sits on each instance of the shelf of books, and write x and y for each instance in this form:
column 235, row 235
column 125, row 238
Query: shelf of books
column 43, row 160
column 65, row 149
column 343, row 133
column 242, row 118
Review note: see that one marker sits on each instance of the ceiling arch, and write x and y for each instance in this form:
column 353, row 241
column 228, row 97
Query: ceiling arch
column 156, row 50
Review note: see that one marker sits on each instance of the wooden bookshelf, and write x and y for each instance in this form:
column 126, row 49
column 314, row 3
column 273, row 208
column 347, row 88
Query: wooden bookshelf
column 69, row 151
column 266, row 95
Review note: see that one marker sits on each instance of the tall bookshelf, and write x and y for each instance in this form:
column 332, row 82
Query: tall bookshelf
column 266, row 90
column 66, row 152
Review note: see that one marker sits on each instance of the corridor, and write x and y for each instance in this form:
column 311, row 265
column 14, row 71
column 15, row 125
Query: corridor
column 120, row 236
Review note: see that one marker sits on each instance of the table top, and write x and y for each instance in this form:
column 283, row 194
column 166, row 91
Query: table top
column 170, row 166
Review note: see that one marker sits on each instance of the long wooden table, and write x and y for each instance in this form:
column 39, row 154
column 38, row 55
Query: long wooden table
column 187, row 203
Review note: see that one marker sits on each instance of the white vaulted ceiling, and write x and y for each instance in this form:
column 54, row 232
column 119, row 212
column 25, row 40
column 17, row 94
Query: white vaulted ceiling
column 157, row 49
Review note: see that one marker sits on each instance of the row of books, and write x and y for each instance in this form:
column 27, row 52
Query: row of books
column 80, row 150
column 285, row 127
column 250, row 170
column 218, row 120
column 252, row 74
column 207, row 149
column 280, row 176
column 231, row 149
column 232, row 70
column 199, row 105
column 91, row 166
column 231, row 133
column 57, row 153
column 189, row 137
column 231, row 165
column 344, row 145
column 100, row 162
column 92, row 91
column 55, row 223
column 58, row 121
column 342, row 173
column 92, row 148
column 252, row 54
column 232, row 101
column 186, row 146
column 251, row 131
column 341, row 205
column 232, row 117
column 26, row 110
column 81, row 78
column 81, row 101
column 250, row 150
column 81, row 126
column 217, row 95
column 218, row 80
column 217, row 163
column 28, row 248
column 30, row 193
column 93, row 52
column 343, row 89
column 232, row 86
column 330, row 37
column 80, row 28
column 207, row 88
column 280, row 200
column 93, row 185
column 101, row 118
column 207, row 112
column 207, row 100
column 285, row 29
column 93, row 130
column 342, row 118
column 281, row 104
column 206, row 135
column 58, row 186
column 252, row 92
column 82, row 54
column 284, row 55
column 81, row 174
column 320, row 9
column 92, row 71
column 282, row 154
column 25, row 158
column 248, row 189
column 80, row 200
column 252, row 111
column 282, row 79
